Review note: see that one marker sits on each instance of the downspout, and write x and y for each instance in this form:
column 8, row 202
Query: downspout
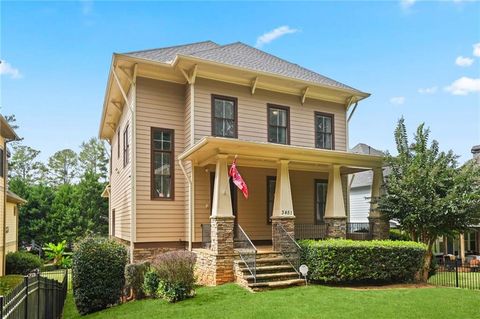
column 190, row 203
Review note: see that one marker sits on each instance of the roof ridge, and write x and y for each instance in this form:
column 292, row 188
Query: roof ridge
column 173, row 46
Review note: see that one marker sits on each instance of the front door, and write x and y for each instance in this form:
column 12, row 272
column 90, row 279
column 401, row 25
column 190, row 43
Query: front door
column 233, row 194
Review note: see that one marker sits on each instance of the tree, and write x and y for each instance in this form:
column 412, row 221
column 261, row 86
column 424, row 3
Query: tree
column 94, row 158
column 24, row 164
column 92, row 206
column 63, row 167
column 427, row 192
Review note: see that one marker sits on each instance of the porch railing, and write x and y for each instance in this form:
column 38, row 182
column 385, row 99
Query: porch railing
column 246, row 249
column 206, row 235
column 359, row 231
column 288, row 247
column 310, row 231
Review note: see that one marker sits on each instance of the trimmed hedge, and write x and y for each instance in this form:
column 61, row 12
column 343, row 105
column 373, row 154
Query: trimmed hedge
column 134, row 278
column 348, row 261
column 98, row 273
column 22, row 263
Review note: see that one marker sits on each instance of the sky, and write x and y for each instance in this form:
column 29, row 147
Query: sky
column 419, row 60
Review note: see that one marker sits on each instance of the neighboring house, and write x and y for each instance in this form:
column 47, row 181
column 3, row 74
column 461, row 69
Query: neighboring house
column 177, row 117
column 467, row 243
column 8, row 200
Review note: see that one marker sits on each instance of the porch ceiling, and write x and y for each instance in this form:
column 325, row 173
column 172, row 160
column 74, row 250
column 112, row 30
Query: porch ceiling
column 258, row 154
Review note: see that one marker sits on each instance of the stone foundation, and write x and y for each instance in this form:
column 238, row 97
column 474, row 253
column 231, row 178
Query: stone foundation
column 288, row 224
column 212, row 269
column 381, row 227
column 222, row 234
column 149, row 254
column 336, row 227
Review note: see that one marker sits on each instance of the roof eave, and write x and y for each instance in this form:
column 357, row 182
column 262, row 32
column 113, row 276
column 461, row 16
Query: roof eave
column 7, row 131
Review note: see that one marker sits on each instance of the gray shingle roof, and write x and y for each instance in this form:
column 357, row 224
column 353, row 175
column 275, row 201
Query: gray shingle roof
column 240, row 55
column 363, row 179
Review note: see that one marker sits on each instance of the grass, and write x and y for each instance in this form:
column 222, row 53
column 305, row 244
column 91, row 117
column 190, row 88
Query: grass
column 8, row 282
column 465, row 279
column 313, row 301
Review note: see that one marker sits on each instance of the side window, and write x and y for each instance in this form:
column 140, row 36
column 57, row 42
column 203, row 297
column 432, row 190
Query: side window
column 126, row 147
column 162, row 163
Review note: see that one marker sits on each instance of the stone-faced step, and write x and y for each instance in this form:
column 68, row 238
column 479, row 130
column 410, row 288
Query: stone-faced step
column 268, row 269
column 259, row 286
column 273, row 276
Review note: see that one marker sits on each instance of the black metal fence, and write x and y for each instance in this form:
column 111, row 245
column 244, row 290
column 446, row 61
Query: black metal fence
column 359, row 231
column 39, row 296
column 310, row 231
column 454, row 273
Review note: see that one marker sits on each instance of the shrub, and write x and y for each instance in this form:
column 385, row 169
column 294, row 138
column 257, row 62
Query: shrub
column 176, row 273
column 134, row 278
column 397, row 234
column 22, row 263
column 348, row 261
column 98, row 273
column 150, row 282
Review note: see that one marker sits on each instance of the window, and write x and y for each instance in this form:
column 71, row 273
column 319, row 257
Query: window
column 324, row 131
column 118, row 143
column 224, row 116
column 162, row 163
column 2, row 162
column 271, row 182
column 113, row 222
column 320, row 199
column 278, row 124
column 126, row 147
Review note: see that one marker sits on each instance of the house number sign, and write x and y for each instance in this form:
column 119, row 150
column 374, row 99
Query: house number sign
column 287, row 212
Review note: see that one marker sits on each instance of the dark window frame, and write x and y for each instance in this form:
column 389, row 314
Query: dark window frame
column 113, row 222
column 126, row 146
column 315, row 200
column 235, row 110
column 2, row 162
column 280, row 107
column 270, row 213
column 332, row 118
column 172, row 164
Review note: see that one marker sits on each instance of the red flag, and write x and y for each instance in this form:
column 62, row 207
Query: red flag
column 237, row 178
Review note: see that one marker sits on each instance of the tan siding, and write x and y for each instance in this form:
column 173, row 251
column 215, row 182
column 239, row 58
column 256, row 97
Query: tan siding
column 252, row 212
column 159, row 104
column 2, row 207
column 252, row 113
column 120, row 182
column 11, row 225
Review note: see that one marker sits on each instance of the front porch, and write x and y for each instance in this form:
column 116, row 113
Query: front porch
column 295, row 193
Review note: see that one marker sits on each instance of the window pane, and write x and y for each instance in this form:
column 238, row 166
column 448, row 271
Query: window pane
column 162, row 186
column 282, row 118
column 320, row 124
column 229, row 110
column 272, row 134
column 328, row 124
column 162, row 163
column 282, row 135
column 319, row 142
column 278, row 117
column 328, row 141
column 162, row 140
column 218, row 108
column 229, row 128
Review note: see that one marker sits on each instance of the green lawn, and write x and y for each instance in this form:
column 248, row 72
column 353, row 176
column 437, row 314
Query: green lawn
column 8, row 282
column 231, row 301
column 465, row 279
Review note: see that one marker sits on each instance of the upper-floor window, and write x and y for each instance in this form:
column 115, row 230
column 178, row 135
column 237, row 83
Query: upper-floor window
column 126, row 147
column 162, row 163
column 278, row 124
column 224, row 116
column 2, row 162
column 324, row 131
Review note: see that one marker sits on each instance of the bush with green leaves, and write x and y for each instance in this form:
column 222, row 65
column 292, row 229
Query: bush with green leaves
column 175, row 270
column 151, row 281
column 58, row 255
column 348, row 261
column 134, row 278
column 98, row 273
column 22, row 263
column 397, row 234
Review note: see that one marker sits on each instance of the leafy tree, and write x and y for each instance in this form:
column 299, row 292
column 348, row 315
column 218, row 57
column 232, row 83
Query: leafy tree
column 94, row 158
column 92, row 206
column 427, row 192
column 12, row 121
column 24, row 164
column 63, row 167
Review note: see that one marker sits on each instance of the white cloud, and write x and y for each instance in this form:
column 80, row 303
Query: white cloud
column 7, row 69
column 430, row 90
column 274, row 34
column 476, row 49
column 397, row 100
column 464, row 86
column 405, row 4
column 463, row 61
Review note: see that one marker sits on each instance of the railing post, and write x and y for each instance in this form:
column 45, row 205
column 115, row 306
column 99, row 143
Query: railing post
column 26, row 296
column 456, row 272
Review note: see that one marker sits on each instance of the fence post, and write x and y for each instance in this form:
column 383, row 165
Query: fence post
column 1, row 306
column 456, row 272
column 26, row 296
column 38, row 294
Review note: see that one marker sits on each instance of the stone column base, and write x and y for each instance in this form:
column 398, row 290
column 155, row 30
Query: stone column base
column 222, row 234
column 212, row 269
column 288, row 224
column 380, row 227
column 336, row 227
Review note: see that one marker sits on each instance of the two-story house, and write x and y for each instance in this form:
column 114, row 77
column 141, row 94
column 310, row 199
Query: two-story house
column 177, row 117
column 8, row 200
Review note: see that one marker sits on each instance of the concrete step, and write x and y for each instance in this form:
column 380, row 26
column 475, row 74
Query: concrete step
column 268, row 269
column 266, row 285
column 278, row 276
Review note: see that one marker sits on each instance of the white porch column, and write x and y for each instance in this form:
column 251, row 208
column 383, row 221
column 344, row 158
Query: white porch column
column 462, row 247
column 335, row 214
column 283, row 217
column 222, row 202
column 381, row 226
